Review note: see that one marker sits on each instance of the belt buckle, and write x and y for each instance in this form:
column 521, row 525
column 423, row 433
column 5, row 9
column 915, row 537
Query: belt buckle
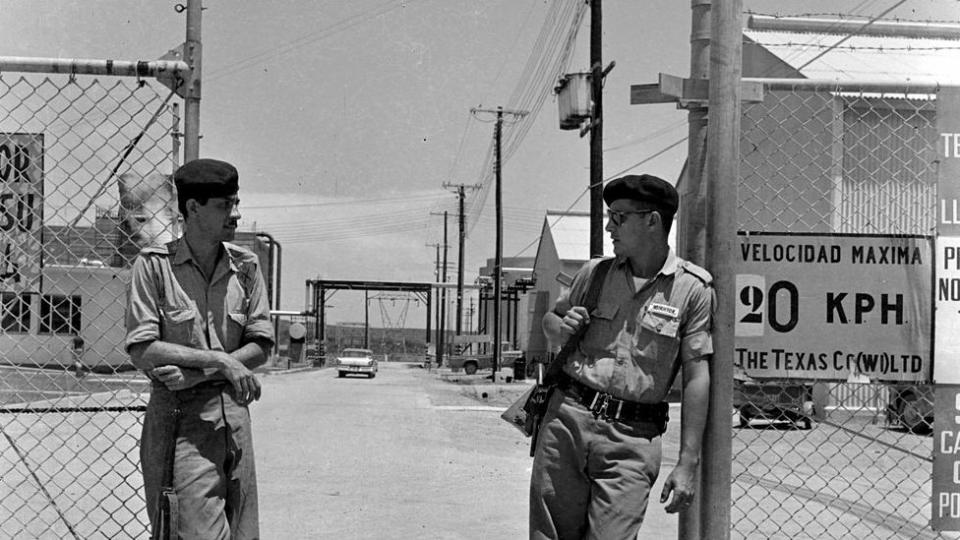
column 601, row 400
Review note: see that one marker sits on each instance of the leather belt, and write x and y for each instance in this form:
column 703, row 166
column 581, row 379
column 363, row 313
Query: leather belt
column 605, row 406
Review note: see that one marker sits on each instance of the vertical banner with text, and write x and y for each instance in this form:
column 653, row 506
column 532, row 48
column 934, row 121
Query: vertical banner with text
column 946, row 465
column 946, row 348
column 21, row 211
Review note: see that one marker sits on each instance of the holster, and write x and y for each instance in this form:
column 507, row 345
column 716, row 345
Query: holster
column 167, row 512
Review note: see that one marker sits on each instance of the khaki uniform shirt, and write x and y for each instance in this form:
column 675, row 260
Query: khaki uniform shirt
column 169, row 299
column 637, row 339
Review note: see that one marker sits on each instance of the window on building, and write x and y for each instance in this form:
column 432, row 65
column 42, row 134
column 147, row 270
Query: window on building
column 15, row 312
column 59, row 314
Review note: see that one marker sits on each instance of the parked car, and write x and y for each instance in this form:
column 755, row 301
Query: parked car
column 356, row 361
column 911, row 407
column 470, row 364
column 772, row 401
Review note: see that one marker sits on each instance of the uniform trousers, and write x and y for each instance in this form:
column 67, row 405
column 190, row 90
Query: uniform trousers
column 214, row 475
column 591, row 477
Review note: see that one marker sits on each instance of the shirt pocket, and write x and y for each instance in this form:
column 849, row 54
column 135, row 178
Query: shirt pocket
column 179, row 325
column 602, row 331
column 659, row 336
column 236, row 322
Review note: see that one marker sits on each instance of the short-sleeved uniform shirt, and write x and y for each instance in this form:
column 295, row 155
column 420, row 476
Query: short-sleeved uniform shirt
column 637, row 339
column 171, row 300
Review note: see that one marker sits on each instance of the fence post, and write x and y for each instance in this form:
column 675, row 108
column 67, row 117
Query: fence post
column 723, row 172
column 191, row 110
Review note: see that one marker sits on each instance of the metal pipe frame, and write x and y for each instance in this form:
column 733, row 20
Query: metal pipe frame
column 84, row 66
column 869, row 86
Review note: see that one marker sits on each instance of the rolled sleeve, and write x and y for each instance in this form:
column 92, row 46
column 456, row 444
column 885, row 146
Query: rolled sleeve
column 142, row 316
column 259, row 327
column 697, row 338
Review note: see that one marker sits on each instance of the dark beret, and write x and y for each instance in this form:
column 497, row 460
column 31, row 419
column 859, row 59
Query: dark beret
column 206, row 178
column 644, row 188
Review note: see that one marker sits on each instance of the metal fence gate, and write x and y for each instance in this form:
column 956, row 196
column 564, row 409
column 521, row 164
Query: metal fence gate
column 70, row 403
column 816, row 159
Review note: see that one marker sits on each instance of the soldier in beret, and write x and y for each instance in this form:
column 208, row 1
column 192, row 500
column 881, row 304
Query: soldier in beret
column 598, row 452
column 198, row 323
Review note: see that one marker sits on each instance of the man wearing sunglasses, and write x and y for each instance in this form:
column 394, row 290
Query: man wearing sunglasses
column 599, row 448
column 198, row 323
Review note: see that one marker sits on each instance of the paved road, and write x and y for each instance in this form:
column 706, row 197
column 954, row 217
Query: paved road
column 407, row 455
column 403, row 455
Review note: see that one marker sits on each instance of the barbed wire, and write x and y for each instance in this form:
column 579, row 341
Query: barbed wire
column 847, row 16
column 877, row 48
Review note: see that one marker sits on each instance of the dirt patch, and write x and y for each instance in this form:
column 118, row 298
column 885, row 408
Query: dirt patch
column 458, row 389
column 495, row 395
column 481, row 388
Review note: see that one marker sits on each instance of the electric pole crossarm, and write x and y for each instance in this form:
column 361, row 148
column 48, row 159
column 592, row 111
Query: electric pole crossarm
column 500, row 110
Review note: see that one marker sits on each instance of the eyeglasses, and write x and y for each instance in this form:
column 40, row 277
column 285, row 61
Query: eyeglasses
column 617, row 217
column 228, row 204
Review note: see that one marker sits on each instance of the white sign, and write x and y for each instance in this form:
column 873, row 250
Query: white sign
column 945, row 502
column 827, row 307
column 947, row 337
column 21, row 211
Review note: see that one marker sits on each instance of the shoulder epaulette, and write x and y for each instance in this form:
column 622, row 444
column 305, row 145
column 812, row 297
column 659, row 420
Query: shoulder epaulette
column 697, row 272
column 155, row 250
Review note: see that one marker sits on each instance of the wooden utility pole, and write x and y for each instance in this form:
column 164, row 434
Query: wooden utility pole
column 442, row 277
column 498, row 259
column 692, row 225
column 723, row 171
column 462, row 238
column 596, row 131
column 436, row 277
column 366, row 319
column 470, row 314
column 442, row 341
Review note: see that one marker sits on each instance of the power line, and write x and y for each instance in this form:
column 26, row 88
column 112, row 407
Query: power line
column 611, row 177
column 850, row 35
column 381, row 200
column 648, row 137
column 684, row 139
column 385, row 230
column 311, row 37
column 514, row 44
column 559, row 25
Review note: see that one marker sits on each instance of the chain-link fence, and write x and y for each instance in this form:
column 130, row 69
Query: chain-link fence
column 824, row 457
column 83, row 183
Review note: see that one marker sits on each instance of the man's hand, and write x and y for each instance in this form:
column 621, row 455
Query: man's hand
column 245, row 383
column 176, row 377
column 681, row 485
column 575, row 319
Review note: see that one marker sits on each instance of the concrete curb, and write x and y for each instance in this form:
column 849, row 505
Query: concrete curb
column 291, row 370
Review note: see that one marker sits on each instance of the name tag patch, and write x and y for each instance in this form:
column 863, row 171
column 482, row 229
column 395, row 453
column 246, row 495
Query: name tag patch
column 664, row 310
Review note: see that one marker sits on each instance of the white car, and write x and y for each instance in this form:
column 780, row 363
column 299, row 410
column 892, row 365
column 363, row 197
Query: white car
column 356, row 361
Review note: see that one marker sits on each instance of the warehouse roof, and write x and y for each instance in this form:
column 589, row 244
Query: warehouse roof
column 851, row 50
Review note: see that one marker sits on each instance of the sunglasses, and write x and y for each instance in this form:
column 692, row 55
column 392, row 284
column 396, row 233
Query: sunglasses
column 617, row 217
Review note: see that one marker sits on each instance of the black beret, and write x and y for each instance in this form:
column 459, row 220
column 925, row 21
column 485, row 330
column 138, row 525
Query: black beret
column 644, row 188
column 206, row 178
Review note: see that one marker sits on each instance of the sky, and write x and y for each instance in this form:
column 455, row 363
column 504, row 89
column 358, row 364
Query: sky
column 347, row 119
